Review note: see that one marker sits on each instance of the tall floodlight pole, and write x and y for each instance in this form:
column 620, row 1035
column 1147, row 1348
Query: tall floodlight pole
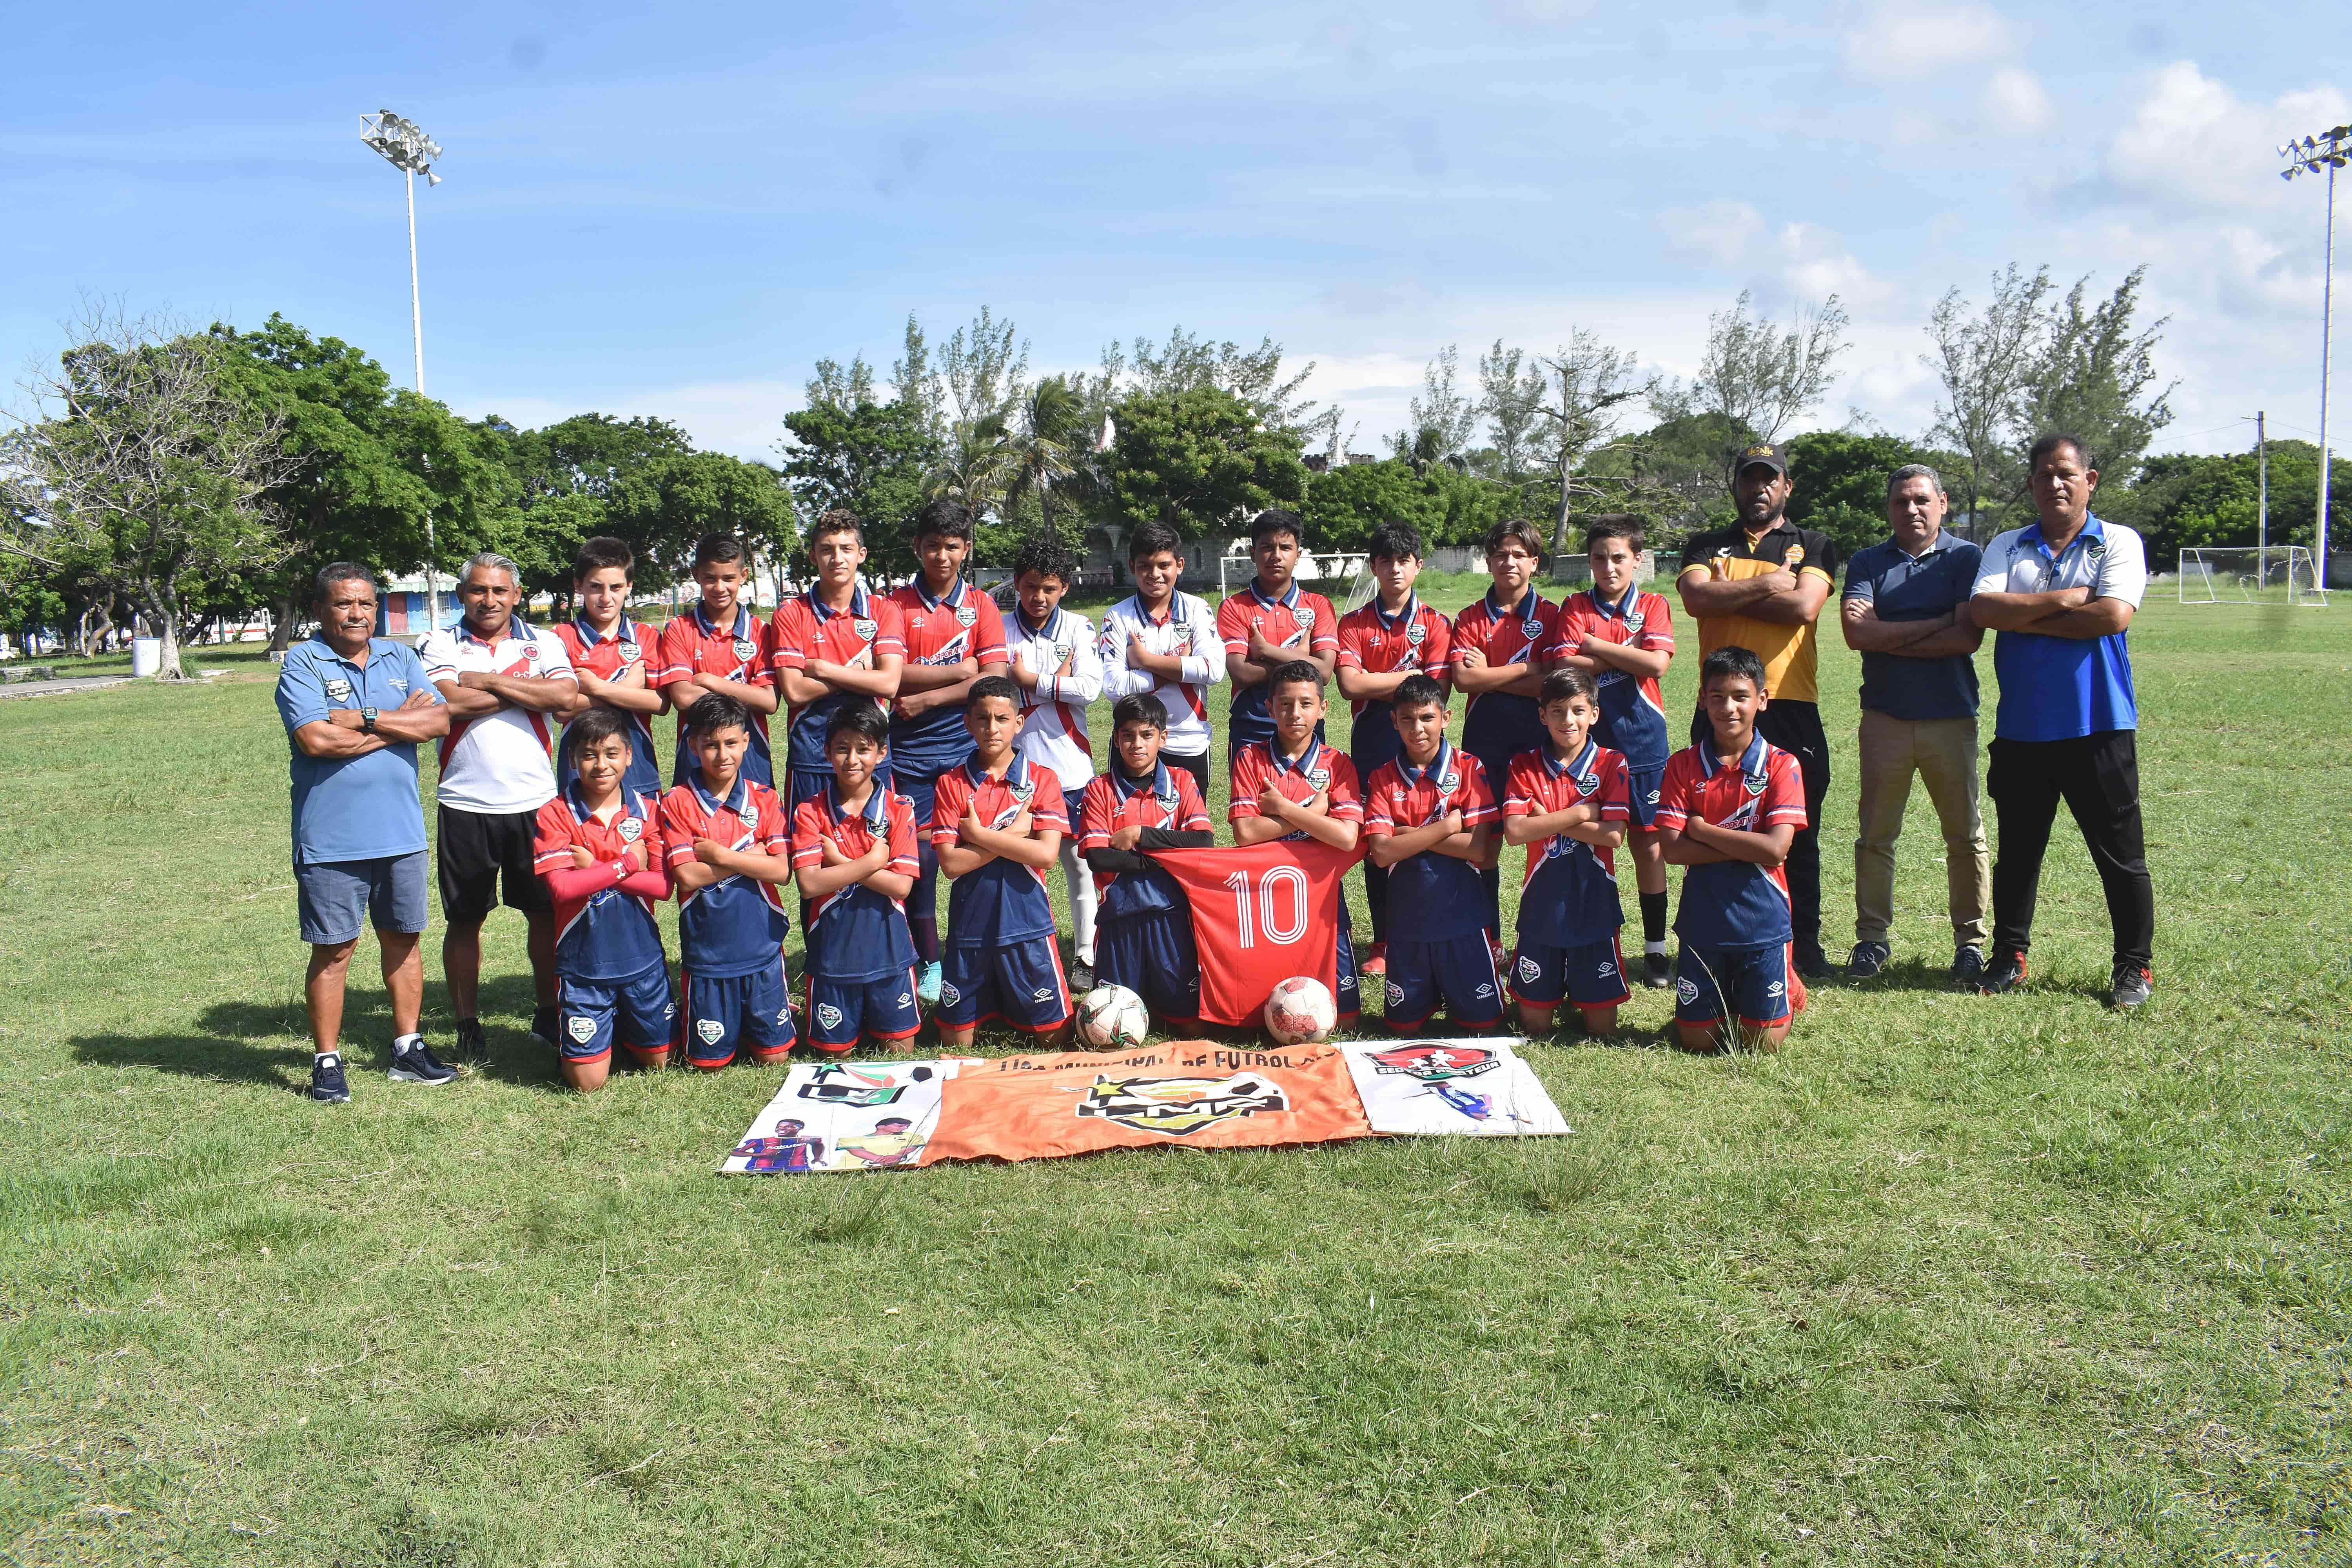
column 2327, row 151
column 407, row 148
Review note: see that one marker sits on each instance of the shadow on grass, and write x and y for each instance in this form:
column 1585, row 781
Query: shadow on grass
column 1900, row 974
column 259, row 1042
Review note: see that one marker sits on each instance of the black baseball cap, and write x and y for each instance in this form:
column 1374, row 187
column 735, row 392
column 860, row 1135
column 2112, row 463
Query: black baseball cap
column 1764, row 452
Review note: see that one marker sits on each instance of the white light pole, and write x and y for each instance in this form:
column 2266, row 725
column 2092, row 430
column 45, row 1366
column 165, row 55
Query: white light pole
column 406, row 146
column 2308, row 156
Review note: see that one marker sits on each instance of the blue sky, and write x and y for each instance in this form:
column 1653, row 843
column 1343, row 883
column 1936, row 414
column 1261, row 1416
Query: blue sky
column 679, row 212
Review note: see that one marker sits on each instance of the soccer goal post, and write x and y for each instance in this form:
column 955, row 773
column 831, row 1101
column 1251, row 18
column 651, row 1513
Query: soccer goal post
column 2243, row 575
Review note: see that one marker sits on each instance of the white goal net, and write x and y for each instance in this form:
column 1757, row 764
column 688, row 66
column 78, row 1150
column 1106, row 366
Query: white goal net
column 2281, row 575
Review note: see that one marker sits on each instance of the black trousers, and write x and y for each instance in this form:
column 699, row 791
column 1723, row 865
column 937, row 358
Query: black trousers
column 1795, row 728
column 2098, row 778
column 1196, row 765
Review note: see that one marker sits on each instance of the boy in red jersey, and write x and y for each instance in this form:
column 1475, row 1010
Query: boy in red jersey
column 1382, row 646
column 1429, row 815
column 1294, row 786
column 1143, row 937
column 1727, row 809
column 609, row 659
column 854, row 857
column 1625, row 639
column 1269, row 625
column 997, row 822
column 719, row 648
column 1566, row 803
column 1497, row 655
column 598, row 849
column 833, row 645
column 729, row 850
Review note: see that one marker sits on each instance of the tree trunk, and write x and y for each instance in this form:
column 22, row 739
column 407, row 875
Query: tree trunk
column 1560, row 528
column 283, row 609
column 162, row 608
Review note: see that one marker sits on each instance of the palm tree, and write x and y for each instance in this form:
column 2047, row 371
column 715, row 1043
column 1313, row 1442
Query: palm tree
column 1049, row 445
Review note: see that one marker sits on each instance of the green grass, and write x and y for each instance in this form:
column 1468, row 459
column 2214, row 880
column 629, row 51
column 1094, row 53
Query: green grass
column 1949, row 1279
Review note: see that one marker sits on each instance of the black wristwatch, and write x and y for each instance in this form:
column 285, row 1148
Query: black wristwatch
column 367, row 720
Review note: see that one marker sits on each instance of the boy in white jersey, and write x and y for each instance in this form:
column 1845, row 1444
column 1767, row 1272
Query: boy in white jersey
column 1164, row 643
column 1055, row 665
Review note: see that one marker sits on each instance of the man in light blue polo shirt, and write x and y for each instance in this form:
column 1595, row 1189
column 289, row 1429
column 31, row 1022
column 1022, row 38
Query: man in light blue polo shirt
column 355, row 706
column 1906, row 611
column 2059, row 593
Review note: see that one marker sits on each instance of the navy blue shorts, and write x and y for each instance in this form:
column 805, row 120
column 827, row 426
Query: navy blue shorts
column 803, row 786
column 1152, row 955
column 1591, row 975
column 1348, row 1004
column 591, row 1013
column 1641, row 787
column 1760, row 984
column 332, row 896
column 1458, row 970
column 841, row 1010
column 923, row 789
column 753, row 1010
column 1018, row 983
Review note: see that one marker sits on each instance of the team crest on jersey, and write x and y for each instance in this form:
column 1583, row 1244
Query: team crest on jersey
column 530, row 652
column 2096, row 548
column 828, row 1015
column 710, row 1029
column 1634, row 623
column 1795, row 557
column 863, row 627
column 1165, row 802
column 1434, row 1063
column 1449, row 784
column 1319, row 777
column 1752, row 783
column 1586, row 782
column 338, row 689
column 1530, row 970
column 1305, row 618
column 745, row 647
column 631, row 653
column 1178, row 1107
column 966, row 615
column 1023, row 791
column 1415, row 633
column 630, row 829
column 581, row 1029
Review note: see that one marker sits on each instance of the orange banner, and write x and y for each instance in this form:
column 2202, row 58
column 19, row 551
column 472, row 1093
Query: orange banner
column 1186, row 1092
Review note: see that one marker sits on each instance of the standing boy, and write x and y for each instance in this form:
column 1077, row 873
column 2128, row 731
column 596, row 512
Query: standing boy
column 1727, row 809
column 1144, row 934
column 1497, row 654
column 997, row 823
column 953, row 636
column 1270, row 624
column 853, row 855
column 1624, row 638
column 835, row 646
column 1055, row 666
column 1292, row 785
column 1429, row 816
column 729, row 849
column 1567, row 803
column 1382, row 646
column 609, row 655
column 719, row 648
column 598, row 849
column 1164, row 643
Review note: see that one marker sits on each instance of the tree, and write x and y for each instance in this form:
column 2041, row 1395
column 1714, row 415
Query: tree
column 1442, row 419
column 591, row 475
column 845, row 387
column 1186, row 363
column 1760, row 377
column 2179, row 500
column 1678, row 471
column 1045, row 444
column 872, row 460
column 1199, row 459
column 1841, row 482
column 1984, row 362
column 1588, row 384
column 140, row 455
column 2095, row 377
column 1511, row 397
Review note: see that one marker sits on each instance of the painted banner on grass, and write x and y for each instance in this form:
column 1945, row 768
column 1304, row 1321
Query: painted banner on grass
column 1480, row 1087
column 844, row 1116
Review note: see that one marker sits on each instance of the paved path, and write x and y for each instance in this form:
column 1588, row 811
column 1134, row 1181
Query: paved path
column 72, row 683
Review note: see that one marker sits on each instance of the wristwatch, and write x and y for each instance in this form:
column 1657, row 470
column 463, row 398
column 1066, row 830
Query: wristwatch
column 367, row 720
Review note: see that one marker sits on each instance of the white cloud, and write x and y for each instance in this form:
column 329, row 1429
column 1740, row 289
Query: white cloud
column 1722, row 231
column 2014, row 101
column 1900, row 39
column 2194, row 143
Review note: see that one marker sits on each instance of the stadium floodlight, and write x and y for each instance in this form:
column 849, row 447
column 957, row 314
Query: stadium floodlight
column 2327, row 151
column 407, row 148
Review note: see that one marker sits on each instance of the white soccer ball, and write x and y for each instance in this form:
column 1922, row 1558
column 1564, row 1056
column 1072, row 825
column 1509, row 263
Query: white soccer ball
column 1301, row 1012
column 1113, row 1018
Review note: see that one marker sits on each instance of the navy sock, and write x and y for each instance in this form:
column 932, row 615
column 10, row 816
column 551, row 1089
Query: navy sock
column 1653, row 916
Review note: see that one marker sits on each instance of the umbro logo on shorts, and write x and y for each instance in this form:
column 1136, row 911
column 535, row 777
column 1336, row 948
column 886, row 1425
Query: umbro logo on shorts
column 1654, row 797
column 1774, row 989
column 905, row 999
column 785, row 1014
column 1042, row 992
column 1608, row 968
column 1485, row 989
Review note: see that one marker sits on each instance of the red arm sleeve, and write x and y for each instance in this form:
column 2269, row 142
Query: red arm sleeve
column 569, row 884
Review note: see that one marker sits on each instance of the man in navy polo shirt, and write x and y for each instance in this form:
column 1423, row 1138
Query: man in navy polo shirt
column 355, row 706
column 2061, row 593
column 1906, row 611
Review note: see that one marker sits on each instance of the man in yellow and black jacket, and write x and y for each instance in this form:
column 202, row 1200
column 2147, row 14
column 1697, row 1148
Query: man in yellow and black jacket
column 1760, row 585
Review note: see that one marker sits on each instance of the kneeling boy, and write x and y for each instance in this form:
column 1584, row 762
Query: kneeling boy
column 729, row 850
column 598, row 849
column 1294, row 786
column 1431, row 820
column 1143, row 923
column 854, row 854
column 1727, row 809
column 1568, row 803
column 997, row 823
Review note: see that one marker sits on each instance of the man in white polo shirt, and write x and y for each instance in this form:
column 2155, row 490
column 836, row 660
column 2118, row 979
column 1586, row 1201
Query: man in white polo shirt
column 507, row 684
column 2058, row 592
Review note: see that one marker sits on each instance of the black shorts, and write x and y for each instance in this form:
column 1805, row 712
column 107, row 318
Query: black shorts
column 480, row 855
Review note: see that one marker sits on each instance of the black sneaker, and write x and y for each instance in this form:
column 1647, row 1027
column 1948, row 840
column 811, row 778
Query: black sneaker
column 417, row 1064
column 2132, row 987
column 1657, row 971
column 473, row 1046
column 1082, row 977
column 543, row 1024
column 2007, row 974
column 1867, row 960
column 1815, row 965
column 327, row 1084
column 1968, row 968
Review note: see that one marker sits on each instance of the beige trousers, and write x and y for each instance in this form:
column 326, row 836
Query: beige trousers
column 1943, row 753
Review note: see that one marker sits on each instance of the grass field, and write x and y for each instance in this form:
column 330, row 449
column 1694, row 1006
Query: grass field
column 1950, row 1279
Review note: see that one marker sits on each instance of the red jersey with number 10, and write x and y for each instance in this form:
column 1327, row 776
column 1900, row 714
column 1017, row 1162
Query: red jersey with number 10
column 1260, row 913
